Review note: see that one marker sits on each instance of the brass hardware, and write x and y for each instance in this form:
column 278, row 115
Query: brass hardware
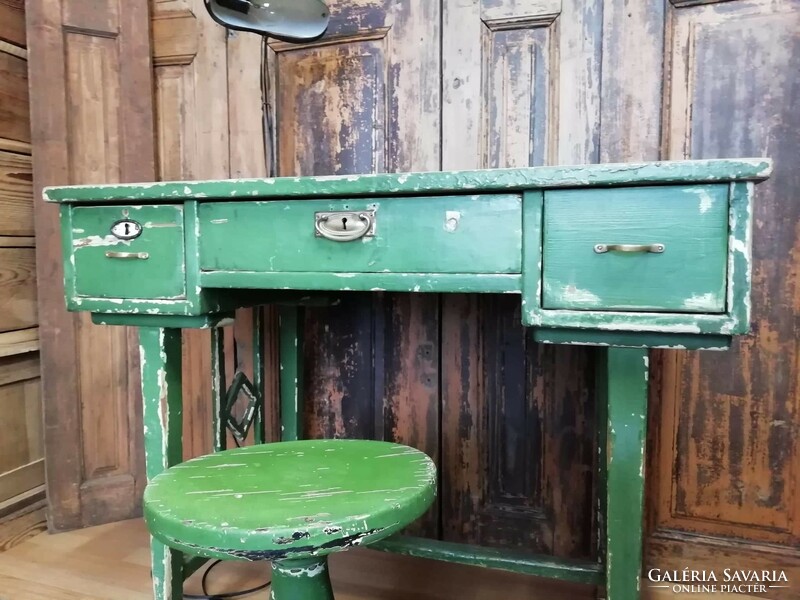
column 346, row 226
column 654, row 248
column 128, row 255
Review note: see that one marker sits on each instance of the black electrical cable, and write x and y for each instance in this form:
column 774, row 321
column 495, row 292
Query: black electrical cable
column 222, row 596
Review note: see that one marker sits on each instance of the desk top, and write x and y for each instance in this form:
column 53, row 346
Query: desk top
column 627, row 254
column 384, row 184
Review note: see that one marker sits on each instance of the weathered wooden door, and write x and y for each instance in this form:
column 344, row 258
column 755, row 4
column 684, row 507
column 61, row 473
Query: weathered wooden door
column 368, row 100
column 510, row 422
column 726, row 468
column 516, row 416
column 416, row 85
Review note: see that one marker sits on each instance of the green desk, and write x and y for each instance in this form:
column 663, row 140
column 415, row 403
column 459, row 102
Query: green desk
column 628, row 257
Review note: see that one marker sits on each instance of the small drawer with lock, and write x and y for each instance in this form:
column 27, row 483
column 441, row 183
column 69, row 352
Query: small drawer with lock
column 659, row 248
column 128, row 252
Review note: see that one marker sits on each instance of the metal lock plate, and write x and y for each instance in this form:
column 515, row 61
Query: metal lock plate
column 126, row 229
column 344, row 226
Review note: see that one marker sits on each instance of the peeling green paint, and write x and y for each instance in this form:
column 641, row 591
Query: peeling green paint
column 289, row 500
column 622, row 389
column 291, row 331
column 160, row 360
column 301, row 580
column 492, row 180
column 588, row 572
column 395, row 282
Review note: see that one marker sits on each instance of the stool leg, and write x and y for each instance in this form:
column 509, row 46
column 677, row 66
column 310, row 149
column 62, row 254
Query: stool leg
column 160, row 351
column 302, row 579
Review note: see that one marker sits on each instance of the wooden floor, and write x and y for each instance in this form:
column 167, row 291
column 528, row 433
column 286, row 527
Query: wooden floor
column 112, row 563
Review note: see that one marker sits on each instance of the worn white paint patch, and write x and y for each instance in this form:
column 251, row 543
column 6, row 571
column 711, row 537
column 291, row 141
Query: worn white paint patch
column 451, row 220
column 312, row 571
column 94, row 241
column 706, row 199
column 573, row 294
column 218, row 221
column 707, row 301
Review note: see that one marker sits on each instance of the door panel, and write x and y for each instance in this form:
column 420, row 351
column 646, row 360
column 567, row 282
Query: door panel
column 516, row 437
column 729, row 453
column 365, row 99
column 91, row 124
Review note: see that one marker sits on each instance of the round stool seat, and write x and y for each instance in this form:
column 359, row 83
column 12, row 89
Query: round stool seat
column 289, row 500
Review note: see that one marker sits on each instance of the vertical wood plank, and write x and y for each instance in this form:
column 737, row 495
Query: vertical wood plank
column 12, row 22
column 521, row 84
column 64, row 71
column 731, row 482
column 15, row 121
column 16, row 195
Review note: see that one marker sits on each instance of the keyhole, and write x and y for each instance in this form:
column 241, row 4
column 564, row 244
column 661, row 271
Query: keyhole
column 344, row 223
column 127, row 228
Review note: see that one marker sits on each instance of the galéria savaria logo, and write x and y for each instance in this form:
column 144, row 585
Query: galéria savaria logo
column 728, row 581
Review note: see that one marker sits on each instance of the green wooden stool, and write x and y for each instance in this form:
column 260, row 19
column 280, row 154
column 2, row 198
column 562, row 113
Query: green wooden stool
column 292, row 503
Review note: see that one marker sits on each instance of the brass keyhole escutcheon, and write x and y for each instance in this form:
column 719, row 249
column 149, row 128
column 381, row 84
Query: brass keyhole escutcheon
column 344, row 226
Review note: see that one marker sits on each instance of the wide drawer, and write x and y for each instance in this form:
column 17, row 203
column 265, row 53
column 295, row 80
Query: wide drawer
column 150, row 265
column 443, row 234
column 639, row 248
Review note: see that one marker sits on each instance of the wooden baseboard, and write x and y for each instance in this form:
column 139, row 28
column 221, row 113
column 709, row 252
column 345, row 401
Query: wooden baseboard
column 23, row 525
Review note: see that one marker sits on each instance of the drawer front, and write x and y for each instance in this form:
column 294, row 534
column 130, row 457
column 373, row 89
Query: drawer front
column 448, row 234
column 689, row 275
column 103, row 270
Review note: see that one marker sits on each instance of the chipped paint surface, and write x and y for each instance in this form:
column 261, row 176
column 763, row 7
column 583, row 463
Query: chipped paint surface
column 706, row 199
column 627, row 384
column 293, row 500
column 378, row 184
column 95, row 241
column 161, row 397
column 451, row 220
column 574, row 294
column 707, row 301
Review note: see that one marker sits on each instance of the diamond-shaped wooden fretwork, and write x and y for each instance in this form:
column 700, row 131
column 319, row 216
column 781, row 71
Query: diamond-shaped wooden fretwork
column 241, row 407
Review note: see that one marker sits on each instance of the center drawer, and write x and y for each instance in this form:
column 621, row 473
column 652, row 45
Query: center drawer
column 443, row 234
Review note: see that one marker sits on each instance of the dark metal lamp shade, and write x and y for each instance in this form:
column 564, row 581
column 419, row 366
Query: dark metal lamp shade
column 289, row 20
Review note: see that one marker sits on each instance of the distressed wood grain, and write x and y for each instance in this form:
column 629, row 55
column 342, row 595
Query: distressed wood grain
column 728, row 456
column 16, row 195
column 12, row 22
column 515, row 437
column 367, row 102
column 81, row 84
column 15, row 121
column 17, row 289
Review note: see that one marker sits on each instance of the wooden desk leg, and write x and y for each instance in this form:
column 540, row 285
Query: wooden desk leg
column 160, row 351
column 219, row 429
column 622, row 402
column 290, row 324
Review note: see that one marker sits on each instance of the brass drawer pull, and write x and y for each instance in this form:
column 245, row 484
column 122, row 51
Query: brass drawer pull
column 128, row 255
column 654, row 248
column 344, row 226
